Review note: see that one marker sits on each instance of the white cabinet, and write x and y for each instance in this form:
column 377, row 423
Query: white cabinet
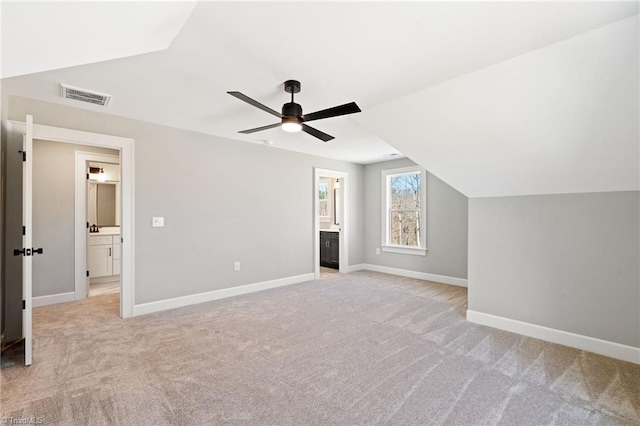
column 103, row 255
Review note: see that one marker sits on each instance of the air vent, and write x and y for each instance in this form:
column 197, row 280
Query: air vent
column 83, row 95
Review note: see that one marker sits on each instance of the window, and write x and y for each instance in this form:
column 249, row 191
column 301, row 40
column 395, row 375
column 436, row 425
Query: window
column 403, row 215
column 323, row 201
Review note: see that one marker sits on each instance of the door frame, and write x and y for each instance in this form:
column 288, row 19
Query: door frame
column 344, row 219
column 125, row 146
column 81, row 219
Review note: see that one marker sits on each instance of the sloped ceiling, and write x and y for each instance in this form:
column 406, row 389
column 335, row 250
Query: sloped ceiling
column 563, row 119
column 378, row 54
column 41, row 36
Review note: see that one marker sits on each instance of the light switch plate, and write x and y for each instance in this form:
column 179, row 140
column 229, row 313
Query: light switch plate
column 157, row 222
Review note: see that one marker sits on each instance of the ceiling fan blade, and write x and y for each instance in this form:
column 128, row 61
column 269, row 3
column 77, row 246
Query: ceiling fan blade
column 259, row 129
column 317, row 133
column 255, row 103
column 349, row 108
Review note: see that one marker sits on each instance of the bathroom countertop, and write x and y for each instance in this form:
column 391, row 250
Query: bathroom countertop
column 110, row 231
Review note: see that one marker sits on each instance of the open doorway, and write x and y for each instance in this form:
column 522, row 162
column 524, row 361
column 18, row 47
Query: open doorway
column 330, row 219
column 103, row 255
column 21, row 173
column 118, row 150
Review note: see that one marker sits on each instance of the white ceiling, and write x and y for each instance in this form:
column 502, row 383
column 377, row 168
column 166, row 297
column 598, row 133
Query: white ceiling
column 371, row 53
column 41, row 36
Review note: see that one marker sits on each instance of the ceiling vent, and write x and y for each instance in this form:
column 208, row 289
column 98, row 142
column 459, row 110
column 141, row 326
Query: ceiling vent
column 83, row 95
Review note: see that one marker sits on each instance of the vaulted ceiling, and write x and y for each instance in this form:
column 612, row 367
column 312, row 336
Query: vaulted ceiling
column 501, row 98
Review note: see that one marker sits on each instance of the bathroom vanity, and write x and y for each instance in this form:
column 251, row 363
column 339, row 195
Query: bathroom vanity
column 103, row 253
column 330, row 249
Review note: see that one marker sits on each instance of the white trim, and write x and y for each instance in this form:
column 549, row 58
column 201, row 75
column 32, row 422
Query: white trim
column 125, row 145
column 358, row 267
column 78, row 137
column 344, row 219
column 177, row 302
column 53, row 299
column 415, row 251
column 443, row 279
column 27, row 240
column 386, row 174
column 578, row 341
column 81, row 161
column 104, row 280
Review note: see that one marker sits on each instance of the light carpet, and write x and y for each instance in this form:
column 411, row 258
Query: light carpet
column 361, row 348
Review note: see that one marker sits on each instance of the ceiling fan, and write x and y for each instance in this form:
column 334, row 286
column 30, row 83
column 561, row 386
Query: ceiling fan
column 292, row 119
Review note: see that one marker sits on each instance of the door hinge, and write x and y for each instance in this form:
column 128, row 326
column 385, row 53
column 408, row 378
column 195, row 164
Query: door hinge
column 87, row 273
column 24, row 304
column 24, row 155
column 87, row 224
column 24, row 230
column 87, row 176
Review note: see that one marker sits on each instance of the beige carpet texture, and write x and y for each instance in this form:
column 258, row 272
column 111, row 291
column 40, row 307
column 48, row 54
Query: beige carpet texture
column 360, row 348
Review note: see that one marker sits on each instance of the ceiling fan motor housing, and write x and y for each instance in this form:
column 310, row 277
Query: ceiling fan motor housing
column 291, row 110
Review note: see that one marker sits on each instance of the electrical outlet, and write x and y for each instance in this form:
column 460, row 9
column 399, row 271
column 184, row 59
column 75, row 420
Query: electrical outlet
column 236, row 266
column 157, row 222
column 377, row 250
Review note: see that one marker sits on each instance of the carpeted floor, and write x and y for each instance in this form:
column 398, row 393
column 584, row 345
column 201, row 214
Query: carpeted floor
column 347, row 349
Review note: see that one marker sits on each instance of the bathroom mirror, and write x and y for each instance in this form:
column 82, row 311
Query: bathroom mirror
column 103, row 206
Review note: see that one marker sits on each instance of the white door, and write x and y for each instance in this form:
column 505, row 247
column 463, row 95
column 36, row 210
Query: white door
column 27, row 243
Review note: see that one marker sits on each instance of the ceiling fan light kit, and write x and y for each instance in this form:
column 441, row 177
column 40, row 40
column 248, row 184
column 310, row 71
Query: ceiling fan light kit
column 291, row 125
column 291, row 118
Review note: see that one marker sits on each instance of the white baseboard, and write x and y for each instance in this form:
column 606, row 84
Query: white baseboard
column 103, row 280
column 578, row 341
column 358, row 267
column 460, row 282
column 52, row 299
column 178, row 302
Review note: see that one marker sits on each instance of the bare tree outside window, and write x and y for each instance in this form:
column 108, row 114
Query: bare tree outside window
column 404, row 209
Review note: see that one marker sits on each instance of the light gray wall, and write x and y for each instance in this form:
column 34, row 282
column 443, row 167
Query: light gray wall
column 222, row 200
column 447, row 222
column 568, row 262
column 54, row 214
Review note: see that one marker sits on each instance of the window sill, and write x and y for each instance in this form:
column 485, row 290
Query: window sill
column 415, row 251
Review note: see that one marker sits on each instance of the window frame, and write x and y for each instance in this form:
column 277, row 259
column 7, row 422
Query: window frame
column 386, row 246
